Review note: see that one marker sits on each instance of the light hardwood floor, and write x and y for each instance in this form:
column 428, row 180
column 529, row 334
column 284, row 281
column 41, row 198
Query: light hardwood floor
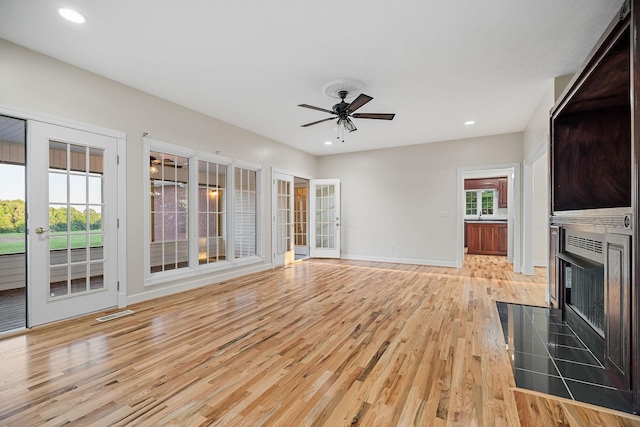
column 319, row 343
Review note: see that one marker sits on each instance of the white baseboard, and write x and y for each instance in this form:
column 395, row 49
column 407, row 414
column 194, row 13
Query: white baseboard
column 539, row 263
column 400, row 260
column 196, row 282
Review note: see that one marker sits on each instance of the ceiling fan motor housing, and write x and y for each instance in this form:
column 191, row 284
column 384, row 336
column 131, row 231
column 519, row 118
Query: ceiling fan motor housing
column 341, row 108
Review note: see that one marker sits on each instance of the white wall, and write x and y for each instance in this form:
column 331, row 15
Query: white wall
column 537, row 129
column 40, row 84
column 535, row 201
column 540, row 214
column 392, row 198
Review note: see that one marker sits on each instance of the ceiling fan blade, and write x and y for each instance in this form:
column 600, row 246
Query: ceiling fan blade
column 377, row 116
column 316, row 108
column 315, row 123
column 358, row 102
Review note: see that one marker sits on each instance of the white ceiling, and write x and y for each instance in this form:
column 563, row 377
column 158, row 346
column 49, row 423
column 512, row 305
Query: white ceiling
column 434, row 63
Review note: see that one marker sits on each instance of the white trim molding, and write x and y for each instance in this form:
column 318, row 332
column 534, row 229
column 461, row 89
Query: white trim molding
column 513, row 171
column 198, row 281
column 527, row 206
column 427, row 262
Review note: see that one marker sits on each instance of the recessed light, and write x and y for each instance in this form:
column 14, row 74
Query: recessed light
column 328, row 143
column 470, row 122
column 71, row 15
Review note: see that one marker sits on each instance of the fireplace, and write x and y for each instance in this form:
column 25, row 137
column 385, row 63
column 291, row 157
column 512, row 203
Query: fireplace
column 582, row 270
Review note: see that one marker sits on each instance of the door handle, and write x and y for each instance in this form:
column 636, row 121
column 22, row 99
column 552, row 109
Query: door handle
column 41, row 230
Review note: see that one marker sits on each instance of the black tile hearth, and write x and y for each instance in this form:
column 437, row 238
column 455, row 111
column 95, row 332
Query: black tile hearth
column 601, row 396
column 547, row 356
column 572, row 354
column 585, row 373
column 532, row 362
column 540, row 382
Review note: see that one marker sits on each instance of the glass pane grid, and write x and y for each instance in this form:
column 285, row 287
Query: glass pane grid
column 245, row 212
column 169, row 211
column 211, row 205
column 283, row 216
column 300, row 217
column 76, row 202
column 487, row 202
column 471, row 203
column 325, row 217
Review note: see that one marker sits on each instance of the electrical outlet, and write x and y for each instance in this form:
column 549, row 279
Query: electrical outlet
column 444, row 213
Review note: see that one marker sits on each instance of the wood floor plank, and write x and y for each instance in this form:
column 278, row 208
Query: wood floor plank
column 319, row 343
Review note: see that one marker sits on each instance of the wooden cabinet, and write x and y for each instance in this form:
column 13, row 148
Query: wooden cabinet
column 486, row 238
column 502, row 239
column 594, row 171
column 473, row 238
column 503, row 185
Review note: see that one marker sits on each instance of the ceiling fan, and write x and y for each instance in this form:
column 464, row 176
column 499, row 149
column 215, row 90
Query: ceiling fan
column 345, row 112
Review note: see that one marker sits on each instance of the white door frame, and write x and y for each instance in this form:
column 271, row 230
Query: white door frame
column 274, row 232
column 288, row 255
column 527, row 206
column 43, row 306
column 121, row 179
column 512, row 170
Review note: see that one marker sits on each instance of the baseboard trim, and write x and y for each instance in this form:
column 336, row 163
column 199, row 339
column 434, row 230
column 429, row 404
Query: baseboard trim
column 430, row 263
column 194, row 283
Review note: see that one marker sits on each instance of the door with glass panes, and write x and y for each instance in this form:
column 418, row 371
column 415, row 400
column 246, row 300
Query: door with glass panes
column 72, row 223
column 324, row 230
column 283, row 251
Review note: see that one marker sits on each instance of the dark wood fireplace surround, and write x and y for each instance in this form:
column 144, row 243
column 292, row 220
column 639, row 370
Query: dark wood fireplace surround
column 594, row 153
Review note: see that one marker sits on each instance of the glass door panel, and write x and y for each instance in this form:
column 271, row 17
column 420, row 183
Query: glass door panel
column 300, row 203
column 325, row 218
column 13, row 257
column 75, row 218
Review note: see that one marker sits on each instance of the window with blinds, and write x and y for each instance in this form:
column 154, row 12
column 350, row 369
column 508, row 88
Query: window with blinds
column 202, row 212
column 245, row 213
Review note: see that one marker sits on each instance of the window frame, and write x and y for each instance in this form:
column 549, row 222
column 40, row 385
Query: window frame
column 194, row 268
column 479, row 203
column 238, row 164
column 228, row 262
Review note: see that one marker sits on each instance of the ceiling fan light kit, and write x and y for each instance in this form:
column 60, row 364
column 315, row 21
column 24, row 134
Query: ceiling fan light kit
column 341, row 89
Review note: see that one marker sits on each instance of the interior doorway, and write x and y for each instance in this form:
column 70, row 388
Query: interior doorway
column 535, row 215
column 301, row 218
column 60, row 237
column 13, row 248
column 510, row 215
column 290, row 228
column 305, row 218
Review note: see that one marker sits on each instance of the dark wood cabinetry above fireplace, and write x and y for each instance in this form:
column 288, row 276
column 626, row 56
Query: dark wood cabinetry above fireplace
column 594, row 163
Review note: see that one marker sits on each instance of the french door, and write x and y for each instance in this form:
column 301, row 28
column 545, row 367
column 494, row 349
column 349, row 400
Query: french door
column 72, row 223
column 282, row 191
column 324, row 205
